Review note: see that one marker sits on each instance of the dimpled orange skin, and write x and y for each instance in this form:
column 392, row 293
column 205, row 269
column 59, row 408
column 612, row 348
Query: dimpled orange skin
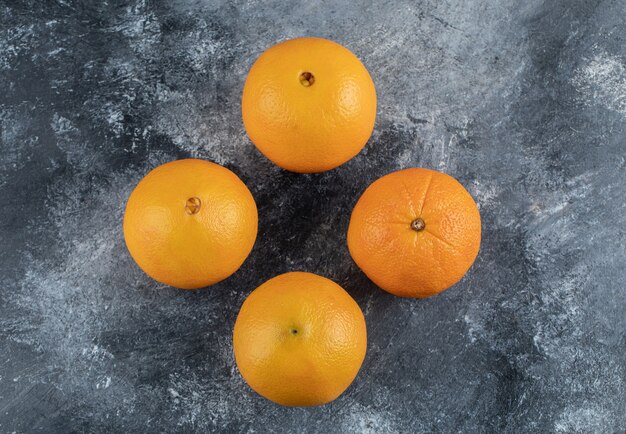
column 306, row 127
column 420, row 260
column 299, row 339
column 179, row 243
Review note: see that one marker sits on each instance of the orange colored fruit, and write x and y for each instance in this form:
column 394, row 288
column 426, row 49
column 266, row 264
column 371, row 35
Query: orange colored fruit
column 309, row 105
column 415, row 232
column 299, row 339
column 190, row 223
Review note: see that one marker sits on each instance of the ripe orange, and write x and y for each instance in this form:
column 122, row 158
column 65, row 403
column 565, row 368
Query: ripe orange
column 309, row 105
column 299, row 339
column 415, row 232
column 190, row 223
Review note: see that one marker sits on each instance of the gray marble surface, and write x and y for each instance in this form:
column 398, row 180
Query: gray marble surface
column 523, row 102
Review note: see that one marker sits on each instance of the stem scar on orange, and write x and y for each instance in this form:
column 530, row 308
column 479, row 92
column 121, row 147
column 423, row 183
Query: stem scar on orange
column 299, row 339
column 190, row 223
column 309, row 105
column 415, row 232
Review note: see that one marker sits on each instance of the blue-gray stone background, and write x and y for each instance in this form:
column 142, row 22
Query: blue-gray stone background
column 523, row 101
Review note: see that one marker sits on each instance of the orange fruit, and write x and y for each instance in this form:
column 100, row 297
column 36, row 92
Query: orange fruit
column 415, row 232
column 309, row 104
column 299, row 339
column 190, row 223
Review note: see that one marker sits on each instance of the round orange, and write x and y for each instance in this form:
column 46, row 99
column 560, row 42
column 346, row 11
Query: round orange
column 190, row 223
column 309, row 105
column 415, row 232
column 299, row 339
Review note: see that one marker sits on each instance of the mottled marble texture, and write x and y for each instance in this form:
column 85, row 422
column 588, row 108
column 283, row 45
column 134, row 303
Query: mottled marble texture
column 523, row 102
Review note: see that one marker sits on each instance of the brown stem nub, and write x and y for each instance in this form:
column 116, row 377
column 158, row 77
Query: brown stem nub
column 307, row 79
column 192, row 206
column 418, row 224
